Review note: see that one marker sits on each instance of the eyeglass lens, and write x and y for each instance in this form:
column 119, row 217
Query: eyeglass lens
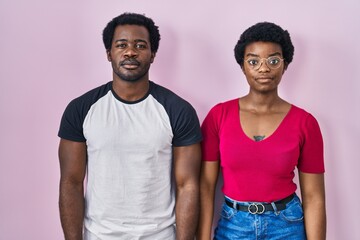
column 271, row 62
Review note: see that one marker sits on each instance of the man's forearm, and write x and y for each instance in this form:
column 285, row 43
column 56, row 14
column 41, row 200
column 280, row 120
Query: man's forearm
column 71, row 204
column 187, row 213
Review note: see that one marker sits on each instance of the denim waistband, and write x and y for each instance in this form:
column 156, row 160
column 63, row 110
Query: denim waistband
column 258, row 207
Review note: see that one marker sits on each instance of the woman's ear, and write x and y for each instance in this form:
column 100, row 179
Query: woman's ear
column 242, row 69
column 285, row 67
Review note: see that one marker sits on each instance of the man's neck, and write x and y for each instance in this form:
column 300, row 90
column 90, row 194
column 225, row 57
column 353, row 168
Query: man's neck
column 131, row 91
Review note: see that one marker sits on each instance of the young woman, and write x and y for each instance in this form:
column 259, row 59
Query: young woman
column 257, row 141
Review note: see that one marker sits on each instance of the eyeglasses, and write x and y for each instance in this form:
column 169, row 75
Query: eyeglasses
column 273, row 62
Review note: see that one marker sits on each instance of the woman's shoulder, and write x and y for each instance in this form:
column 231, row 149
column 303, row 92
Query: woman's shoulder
column 227, row 104
column 299, row 111
column 223, row 109
column 301, row 114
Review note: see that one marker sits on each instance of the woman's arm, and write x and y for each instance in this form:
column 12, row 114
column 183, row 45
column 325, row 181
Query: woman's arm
column 313, row 200
column 208, row 179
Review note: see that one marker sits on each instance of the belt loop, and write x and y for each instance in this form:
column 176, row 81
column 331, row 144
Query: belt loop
column 275, row 208
column 234, row 204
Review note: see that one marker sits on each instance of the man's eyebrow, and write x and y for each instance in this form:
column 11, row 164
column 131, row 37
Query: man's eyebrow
column 121, row 40
column 136, row 40
column 140, row 40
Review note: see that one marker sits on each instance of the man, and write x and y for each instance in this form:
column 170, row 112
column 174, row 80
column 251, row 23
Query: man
column 133, row 139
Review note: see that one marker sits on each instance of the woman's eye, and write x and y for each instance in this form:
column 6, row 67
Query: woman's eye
column 273, row 61
column 253, row 62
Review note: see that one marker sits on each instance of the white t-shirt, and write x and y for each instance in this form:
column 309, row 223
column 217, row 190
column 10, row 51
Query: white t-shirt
column 130, row 192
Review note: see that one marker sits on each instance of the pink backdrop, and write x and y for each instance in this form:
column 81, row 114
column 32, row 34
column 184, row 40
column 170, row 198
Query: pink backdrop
column 51, row 52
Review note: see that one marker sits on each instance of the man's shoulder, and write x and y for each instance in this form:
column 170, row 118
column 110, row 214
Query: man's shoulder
column 156, row 88
column 183, row 118
column 83, row 103
column 166, row 96
column 93, row 94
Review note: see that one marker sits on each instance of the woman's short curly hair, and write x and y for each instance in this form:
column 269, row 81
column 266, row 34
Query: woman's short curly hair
column 265, row 32
column 132, row 19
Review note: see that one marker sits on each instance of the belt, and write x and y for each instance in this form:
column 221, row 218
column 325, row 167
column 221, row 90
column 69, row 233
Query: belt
column 259, row 208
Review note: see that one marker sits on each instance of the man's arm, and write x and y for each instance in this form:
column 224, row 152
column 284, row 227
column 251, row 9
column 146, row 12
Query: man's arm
column 72, row 156
column 313, row 199
column 187, row 160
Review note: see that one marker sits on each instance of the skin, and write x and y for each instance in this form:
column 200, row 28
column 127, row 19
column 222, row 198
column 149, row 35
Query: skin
column 130, row 81
column 313, row 200
column 208, row 179
column 72, row 156
column 262, row 111
column 130, row 57
column 187, row 173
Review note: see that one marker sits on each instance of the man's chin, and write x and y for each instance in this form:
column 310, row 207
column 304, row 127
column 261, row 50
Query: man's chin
column 131, row 79
column 131, row 76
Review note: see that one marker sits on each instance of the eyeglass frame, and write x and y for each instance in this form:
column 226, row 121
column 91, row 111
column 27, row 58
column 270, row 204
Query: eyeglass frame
column 266, row 62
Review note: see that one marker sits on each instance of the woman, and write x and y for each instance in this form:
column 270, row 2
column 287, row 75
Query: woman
column 258, row 140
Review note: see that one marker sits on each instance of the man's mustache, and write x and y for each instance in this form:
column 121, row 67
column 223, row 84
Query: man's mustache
column 130, row 61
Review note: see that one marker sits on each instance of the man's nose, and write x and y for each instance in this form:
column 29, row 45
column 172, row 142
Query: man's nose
column 130, row 51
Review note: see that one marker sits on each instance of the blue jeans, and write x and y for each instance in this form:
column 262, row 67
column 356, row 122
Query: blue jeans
column 286, row 224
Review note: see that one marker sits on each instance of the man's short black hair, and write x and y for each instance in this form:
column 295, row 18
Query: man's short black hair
column 265, row 32
column 132, row 19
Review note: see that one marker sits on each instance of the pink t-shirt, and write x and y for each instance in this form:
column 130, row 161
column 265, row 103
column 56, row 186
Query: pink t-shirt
column 261, row 171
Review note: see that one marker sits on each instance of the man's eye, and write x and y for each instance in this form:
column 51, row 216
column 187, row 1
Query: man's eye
column 121, row 45
column 140, row 46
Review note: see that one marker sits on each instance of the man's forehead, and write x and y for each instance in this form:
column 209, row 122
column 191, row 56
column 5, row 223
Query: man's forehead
column 131, row 32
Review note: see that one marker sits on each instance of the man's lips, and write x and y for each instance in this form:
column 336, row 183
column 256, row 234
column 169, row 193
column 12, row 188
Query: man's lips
column 130, row 62
column 129, row 66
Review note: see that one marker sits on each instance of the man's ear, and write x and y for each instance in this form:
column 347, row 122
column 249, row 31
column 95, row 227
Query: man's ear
column 108, row 55
column 152, row 57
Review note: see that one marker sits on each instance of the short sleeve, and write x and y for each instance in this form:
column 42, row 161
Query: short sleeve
column 71, row 123
column 210, row 131
column 311, row 158
column 186, row 126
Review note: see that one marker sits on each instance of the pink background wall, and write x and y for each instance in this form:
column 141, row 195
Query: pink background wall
column 51, row 52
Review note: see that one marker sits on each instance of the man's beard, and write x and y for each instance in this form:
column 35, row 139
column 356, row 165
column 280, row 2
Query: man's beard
column 142, row 71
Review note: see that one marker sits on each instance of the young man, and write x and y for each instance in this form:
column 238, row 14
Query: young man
column 133, row 139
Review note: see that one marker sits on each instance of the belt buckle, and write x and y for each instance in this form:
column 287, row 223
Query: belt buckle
column 253, row 208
